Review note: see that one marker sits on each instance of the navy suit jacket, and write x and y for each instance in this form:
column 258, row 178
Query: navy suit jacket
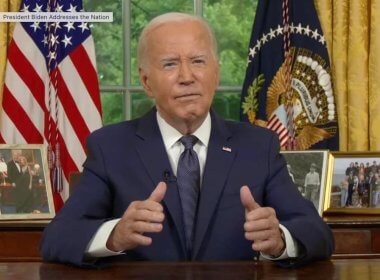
column 127, row 160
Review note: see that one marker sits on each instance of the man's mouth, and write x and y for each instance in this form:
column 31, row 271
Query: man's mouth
column 188, row 96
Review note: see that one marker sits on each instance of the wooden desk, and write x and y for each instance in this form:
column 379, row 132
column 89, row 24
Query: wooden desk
column 20, row 241
column 335, row 269
column 353, row 238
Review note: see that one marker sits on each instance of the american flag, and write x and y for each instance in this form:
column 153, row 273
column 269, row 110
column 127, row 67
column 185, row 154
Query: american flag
column 51, row 92
column 277, row 123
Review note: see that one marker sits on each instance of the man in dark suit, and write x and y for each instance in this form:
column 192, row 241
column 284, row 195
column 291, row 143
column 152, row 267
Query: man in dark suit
column 13, row 167
column 129, row 205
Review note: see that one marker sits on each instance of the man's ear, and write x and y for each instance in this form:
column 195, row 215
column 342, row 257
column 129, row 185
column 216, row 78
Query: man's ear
column 144, row 79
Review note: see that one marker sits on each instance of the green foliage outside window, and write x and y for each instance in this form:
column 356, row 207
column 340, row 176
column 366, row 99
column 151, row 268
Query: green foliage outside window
column 231, row 19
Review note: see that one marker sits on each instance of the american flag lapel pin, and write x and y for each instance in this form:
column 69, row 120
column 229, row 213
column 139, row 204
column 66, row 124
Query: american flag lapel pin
column 227, row 149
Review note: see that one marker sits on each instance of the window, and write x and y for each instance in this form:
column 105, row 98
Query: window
column 116, row 50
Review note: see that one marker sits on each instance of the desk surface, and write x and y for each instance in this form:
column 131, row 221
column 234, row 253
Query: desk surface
column 342, row 269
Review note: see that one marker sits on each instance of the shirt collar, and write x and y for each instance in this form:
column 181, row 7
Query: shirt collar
column 170, row 135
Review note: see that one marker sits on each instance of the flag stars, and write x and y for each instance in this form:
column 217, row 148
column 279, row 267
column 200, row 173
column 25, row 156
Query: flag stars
column 307, row 30
column 252, row 51
column 38, row 8
column 35, row 26
column 57, row 26
column 258, row 44
column 59, row 8
column 53, row 39
column 279, row 30
column 322, row 40
column 264, row 39
column 299, row 29
column 315, row 34
column 83, row 26
column 272, row 34
column 72, row 9
column 25, row 8
column 69, row 26
column 45, row 40
column 248, row 62
column 292, row 28
column 52, row 56
column 67, row 41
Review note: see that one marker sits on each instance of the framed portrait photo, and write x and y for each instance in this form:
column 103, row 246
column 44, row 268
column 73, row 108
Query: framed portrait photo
column 308, row 170
column 354, row 183
column 25, row 192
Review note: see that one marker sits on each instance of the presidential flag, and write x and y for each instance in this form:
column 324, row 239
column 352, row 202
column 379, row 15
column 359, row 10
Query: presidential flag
column 288, row 84
column 51, row 92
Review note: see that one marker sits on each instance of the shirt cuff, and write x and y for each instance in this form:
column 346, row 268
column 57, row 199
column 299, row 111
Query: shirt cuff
column 97, row 246
column 291, row 247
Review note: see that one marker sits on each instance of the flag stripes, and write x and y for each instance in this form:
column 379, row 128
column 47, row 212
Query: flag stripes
column 72, row 85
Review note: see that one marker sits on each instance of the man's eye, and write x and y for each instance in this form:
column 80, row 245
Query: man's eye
column 169, row 65
column 199, row 61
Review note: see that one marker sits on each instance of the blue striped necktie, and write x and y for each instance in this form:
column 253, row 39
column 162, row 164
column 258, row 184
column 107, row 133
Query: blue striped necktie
column 188, row 179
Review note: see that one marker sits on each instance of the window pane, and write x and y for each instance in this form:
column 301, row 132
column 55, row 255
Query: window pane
column 141, row 104
column 232, row 22
column 227, row 105
column 108, row 39
column 112, row 107
column 141, row 13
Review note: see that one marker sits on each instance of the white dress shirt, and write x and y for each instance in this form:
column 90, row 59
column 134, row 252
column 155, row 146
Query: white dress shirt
column 97, row 246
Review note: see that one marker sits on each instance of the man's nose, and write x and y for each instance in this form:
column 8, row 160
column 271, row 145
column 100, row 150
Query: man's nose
column 185, row 74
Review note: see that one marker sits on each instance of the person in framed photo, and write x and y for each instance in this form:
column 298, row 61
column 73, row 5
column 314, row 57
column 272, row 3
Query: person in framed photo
column 362, row 191
column 352, row 186
column 13, row 167
column 343, row 191
column 312, row 185
column 376, row 191
column 23, row 195
column 371, row 182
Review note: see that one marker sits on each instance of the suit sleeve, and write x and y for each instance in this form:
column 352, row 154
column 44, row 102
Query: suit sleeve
column 296, row 213
column 67, row 236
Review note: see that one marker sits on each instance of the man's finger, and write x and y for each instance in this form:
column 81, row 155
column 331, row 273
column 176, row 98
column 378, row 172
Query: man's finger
column 159, row 192
column 247, row 199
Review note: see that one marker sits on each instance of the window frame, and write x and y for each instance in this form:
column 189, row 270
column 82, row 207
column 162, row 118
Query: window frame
column 127, row 89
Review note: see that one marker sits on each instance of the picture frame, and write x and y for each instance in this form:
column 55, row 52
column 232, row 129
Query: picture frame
column 25, row 190
column 310, row 183
column 356, row 194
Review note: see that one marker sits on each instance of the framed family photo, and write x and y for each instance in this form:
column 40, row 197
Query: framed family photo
column 25, row 192
column 308, row 170
column 355, row 183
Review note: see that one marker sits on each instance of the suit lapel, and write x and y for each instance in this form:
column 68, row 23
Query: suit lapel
column 220, row 157
column 151, row 150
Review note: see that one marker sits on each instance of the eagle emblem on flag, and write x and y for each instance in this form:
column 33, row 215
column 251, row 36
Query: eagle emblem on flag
column 288, row 84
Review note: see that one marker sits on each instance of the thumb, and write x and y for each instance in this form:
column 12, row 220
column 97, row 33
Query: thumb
column 159, row 192
column 247, row 199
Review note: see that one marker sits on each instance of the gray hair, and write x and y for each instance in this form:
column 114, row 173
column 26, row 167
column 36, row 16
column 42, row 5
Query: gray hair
column 172, row 17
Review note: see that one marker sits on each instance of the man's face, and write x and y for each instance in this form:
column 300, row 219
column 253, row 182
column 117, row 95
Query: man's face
column 16, row 154
column 181, row 72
